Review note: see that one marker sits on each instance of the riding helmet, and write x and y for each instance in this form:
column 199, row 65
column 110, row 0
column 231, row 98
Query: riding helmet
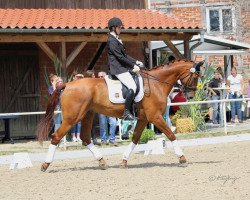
column 114, row 22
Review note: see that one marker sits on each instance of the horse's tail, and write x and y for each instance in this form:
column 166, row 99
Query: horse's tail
column 45, row 124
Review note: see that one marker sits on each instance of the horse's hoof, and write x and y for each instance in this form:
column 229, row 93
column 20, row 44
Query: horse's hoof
column 102, row 164
column 124, row 164
column 183, row 161
column 44, row 166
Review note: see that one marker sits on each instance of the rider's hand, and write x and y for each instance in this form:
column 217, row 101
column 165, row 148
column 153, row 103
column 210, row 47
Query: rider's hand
column 139, row 63
column 136, row 69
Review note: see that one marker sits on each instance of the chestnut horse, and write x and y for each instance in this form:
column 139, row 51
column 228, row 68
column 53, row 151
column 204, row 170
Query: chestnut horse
column 81, row 99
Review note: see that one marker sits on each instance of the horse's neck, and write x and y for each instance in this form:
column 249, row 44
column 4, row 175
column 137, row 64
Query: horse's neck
column 165, row 74
column 167, row 77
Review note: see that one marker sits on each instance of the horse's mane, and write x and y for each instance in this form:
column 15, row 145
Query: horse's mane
column 169, row 64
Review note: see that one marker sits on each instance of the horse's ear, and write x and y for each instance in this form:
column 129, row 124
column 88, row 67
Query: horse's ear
column 198, row 66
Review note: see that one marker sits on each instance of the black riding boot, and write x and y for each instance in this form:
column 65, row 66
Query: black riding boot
column 128, row 103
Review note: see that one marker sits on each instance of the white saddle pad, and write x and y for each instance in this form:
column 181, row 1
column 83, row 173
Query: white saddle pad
column 115, row 90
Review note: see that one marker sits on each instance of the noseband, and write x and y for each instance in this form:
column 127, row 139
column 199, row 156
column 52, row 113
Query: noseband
column 188, row 85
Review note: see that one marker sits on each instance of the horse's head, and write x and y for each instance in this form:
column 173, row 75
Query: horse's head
column 189, row 77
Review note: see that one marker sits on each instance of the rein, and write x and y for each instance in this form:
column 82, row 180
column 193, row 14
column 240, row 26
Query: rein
column 154, row 78
column 185, row 87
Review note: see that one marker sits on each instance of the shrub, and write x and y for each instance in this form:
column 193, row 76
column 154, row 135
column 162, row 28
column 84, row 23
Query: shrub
column 147, row 135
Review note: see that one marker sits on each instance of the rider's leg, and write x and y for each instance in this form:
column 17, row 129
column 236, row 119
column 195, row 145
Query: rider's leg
column 129, row 82
column 128, row 104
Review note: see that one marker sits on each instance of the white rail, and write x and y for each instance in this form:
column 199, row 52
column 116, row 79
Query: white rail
column 171, row 104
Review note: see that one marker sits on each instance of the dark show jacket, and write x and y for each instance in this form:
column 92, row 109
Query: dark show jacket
column 118, row 61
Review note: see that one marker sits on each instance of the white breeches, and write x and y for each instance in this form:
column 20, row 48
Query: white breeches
column 127, row 80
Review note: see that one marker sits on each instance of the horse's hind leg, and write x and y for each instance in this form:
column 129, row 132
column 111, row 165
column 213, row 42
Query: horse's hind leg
column 87, row 123
column 141, row 123
column 56, row 137
column 160, row 123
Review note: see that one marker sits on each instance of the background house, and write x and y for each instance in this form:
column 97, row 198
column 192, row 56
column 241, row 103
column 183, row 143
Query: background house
column 226, row 19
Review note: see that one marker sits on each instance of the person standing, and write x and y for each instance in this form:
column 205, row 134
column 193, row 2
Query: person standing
column 76, row 130
column 214, row 83
column 104, row 121
column 55, row 82
column 91, row 74
column 235, row 84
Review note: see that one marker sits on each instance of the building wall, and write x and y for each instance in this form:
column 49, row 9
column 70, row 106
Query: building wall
column 192, row 10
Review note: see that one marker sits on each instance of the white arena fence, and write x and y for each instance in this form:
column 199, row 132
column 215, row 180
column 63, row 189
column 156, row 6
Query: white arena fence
column 222, row 101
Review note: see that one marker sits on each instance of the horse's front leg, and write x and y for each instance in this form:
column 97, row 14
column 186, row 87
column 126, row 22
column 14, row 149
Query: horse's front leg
column 85, row 136
column 141, row 123
column 160, row 123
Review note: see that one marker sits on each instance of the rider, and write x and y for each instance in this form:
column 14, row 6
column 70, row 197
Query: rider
column 120, row 63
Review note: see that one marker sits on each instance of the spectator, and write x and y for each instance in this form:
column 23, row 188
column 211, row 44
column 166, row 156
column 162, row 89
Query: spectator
column 171, row 58
column 248, row 96
column 221, row 74
column 103, row 122
column 93, row 130
column 179, row 97
column 214, row 83
column 55, row 82
column 235, row 85
column 91, row 74
column 76, row 130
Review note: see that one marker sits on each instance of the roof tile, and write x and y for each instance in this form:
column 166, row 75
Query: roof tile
column 89, row 18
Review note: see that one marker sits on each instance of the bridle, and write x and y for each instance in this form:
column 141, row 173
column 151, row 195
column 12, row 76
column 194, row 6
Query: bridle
column 188, row 85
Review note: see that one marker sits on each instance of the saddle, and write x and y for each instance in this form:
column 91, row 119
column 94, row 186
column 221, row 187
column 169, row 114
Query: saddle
column 117, row 91
column 124, row 88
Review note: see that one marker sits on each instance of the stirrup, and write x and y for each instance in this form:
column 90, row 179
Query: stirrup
column 128, row 116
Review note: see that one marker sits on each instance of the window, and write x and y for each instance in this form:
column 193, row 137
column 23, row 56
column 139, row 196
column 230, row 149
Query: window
column 220, row 20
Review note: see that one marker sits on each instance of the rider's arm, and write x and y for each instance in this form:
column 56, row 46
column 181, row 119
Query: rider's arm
column 118, row 54
column 131, row 59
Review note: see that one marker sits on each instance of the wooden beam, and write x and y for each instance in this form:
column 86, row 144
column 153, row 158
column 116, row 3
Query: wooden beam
column 97, row 37
column 174, row 49
column 186, row 49
column 63, row 60
column 97, row 55
column 74, row 53
column 47, row 50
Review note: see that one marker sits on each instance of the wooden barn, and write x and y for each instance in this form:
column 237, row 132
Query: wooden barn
column 33, row 34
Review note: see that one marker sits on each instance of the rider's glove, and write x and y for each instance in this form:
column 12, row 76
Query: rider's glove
column 139, row 63
column 136, row 69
